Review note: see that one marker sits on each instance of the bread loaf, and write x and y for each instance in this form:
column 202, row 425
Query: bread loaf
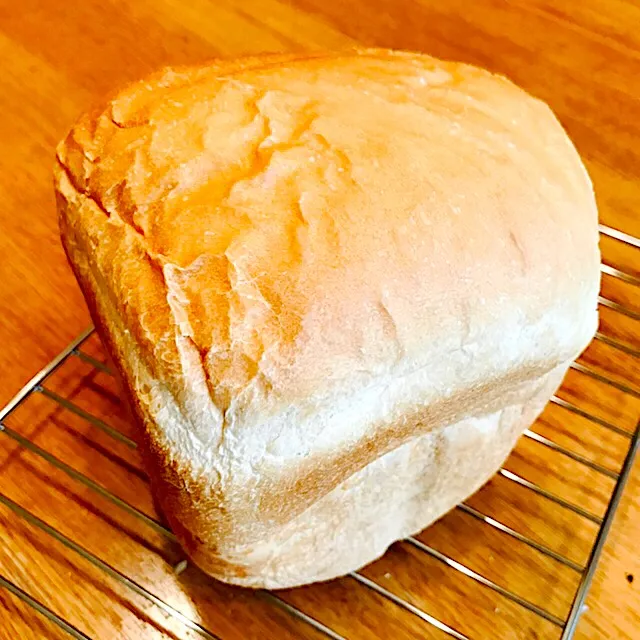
column 336, row 289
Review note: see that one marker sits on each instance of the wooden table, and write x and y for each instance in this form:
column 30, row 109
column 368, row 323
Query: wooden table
column 57, row 58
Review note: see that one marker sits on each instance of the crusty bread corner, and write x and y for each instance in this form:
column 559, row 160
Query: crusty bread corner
column 336, row 288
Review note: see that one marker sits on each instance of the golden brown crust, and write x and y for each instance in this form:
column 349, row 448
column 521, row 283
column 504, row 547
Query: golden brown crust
column 302, row 264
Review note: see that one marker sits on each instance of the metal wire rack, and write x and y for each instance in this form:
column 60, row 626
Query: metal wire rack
column 624, row 384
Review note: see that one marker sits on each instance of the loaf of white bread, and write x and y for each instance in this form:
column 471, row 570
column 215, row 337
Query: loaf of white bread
column 336, row 288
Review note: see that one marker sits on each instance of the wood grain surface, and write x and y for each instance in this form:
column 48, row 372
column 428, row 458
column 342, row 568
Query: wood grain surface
column 58, row 58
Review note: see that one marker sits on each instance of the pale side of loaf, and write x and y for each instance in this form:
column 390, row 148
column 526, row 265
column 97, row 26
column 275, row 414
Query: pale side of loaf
column 336, row 288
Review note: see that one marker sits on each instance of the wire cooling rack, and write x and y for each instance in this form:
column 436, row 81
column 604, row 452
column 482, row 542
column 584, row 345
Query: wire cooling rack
column 545, row 521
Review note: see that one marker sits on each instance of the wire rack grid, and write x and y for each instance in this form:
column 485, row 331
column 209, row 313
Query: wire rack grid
column 85, row 352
